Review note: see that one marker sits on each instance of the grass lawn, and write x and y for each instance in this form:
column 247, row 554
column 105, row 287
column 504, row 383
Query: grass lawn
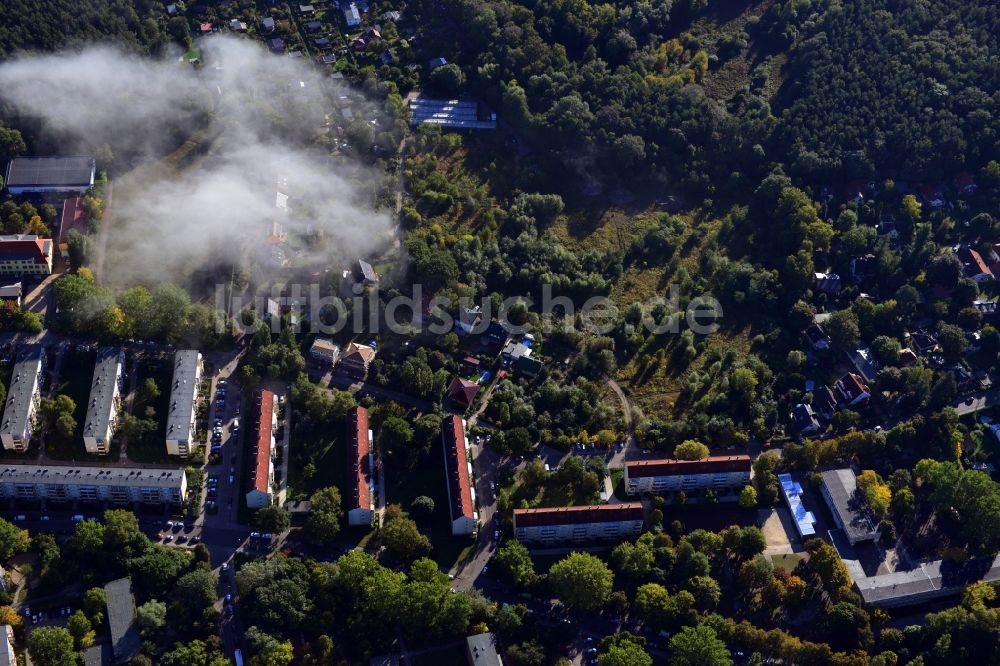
column 428, row 478
column 153, row 449
column 75, row 376
column 618, row 484
column 330, row 461
column 789, row 561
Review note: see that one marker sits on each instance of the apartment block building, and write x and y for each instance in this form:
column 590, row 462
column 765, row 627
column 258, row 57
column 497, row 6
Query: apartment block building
column 669, row 475
column 23, row 396
column 25, row 254
column 360, row 500
column 461, row 494
column 579, row 524
column 105, row 399
column 112, row 485
column 261, row 479
column 183, row 402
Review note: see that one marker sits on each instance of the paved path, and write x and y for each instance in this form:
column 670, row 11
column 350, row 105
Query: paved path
column 484, row 463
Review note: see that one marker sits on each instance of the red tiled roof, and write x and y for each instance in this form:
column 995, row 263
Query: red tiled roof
column 457, row 468
column 463, row 391
column 33, row 249
column 967, row 254
column 357, row 459
column 671, row 467
column 577, row 515
column 852, row 385
column 73, row 219
column 260, row 477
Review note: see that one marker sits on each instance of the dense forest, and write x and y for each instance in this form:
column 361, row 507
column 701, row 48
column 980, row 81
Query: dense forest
column 47, row 25
column 901, row 89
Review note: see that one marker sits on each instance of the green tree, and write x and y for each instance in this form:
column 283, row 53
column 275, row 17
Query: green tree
column 698, row 646
column 13, row 540
column 321, row 528
column 748, row 497
column 94, row 602
column 81, row 630
column 272, row 519
column 395, row 435
column 51, row 646
column 196, row 589
column 582, row 581
column 625, row 653
column 691, row 450
column 327, row 500
column 516, row 564
column 152, row 615
column 403, row 540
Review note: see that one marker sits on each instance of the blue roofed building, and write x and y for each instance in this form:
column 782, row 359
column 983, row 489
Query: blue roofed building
column 805, row 521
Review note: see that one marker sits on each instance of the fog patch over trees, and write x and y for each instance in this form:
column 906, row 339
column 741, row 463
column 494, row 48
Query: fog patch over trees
column 235, row 131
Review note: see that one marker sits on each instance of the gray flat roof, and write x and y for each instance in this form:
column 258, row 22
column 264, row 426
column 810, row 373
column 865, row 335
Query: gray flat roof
column 931, row 579
column 23, row 380
column 102, row 391
column 97, row 655
column 182, row 391
column 842, row 486
column 455, row 113
column 91, row 475
column 74, row 171
column 482, row 649
column 121, row 618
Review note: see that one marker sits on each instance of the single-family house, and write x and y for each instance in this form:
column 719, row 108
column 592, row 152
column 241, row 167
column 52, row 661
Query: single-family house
column 864, row 362
column 923, row 343
column 805, row 419
column 314, row 26
column 277, row 44
column 817, row 337
column 824, row 402
column 496, row 334
column 324, row 351
column 974, row 265
column 512, row 351
column 828, row 283
column 965, row 183
column 268, row 24
column 355, row 359
column 352, row 16
column 863, row 267
column 851, row 390
column 462, row 392
column 934, row 196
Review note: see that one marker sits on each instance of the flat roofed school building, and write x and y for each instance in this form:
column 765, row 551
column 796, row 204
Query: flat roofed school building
column 28, row 175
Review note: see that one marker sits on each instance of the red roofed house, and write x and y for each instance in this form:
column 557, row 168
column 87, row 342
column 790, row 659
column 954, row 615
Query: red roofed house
column 360, row 463
column 73, row 219
column 262, row 473
column 462, row 392
column 975, row 267
column 579, row 524
column 205, row 28
column 461, row 499
column 851, row 390
column 965, row 182
column 24, row 254
column 355, row 359
column 667, row 474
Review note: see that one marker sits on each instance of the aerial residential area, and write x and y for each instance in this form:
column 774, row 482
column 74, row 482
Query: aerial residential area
column 490, row 332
